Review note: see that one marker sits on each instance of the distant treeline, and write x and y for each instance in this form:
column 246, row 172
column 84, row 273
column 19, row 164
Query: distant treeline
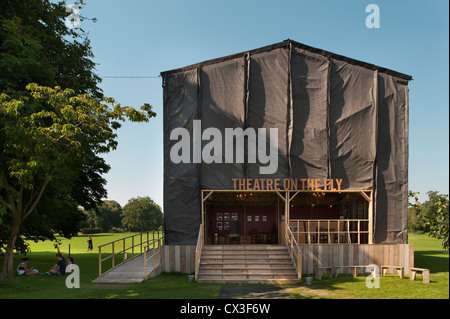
column 139, row 214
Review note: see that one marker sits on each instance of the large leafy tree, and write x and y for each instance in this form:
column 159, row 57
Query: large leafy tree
column 49, row 142
column 46, row 140
column 142, row 213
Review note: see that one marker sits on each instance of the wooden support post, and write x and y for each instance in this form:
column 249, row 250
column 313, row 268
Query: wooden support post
column 99, row 261
column 113, row 257
column 124, row 253
column 371, row 218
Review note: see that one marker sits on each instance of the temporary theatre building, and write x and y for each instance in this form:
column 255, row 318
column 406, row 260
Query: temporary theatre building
column 285, row 147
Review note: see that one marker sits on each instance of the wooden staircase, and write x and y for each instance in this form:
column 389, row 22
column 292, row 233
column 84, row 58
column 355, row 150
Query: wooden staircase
column 246, row 264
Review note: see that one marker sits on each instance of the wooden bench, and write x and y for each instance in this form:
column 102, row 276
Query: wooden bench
column 425, row 274
column 328, row 269
column 398, row 268
column 353, row 267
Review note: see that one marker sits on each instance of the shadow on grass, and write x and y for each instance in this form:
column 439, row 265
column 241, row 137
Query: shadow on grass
column 435, row 260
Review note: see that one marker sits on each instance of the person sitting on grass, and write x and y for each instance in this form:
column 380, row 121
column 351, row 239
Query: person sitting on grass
column 23, row 270
column 59, row 268
column 70, row 263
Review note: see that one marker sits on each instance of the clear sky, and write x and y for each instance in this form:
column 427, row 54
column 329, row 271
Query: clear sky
column 143, row 38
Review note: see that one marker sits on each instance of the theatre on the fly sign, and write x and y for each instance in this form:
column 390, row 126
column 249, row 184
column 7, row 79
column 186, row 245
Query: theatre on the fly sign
column 286, row 145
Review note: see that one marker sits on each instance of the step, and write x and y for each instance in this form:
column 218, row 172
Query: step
column 236, row 276
column 249, row 281
column 243, row 261
column 242, row 247
column 248, row 271
column 246, row 264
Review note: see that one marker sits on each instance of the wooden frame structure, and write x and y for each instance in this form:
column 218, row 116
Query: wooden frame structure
column 288, row 195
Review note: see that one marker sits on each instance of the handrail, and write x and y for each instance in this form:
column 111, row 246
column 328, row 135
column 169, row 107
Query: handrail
column 340, row 231
column 198, row 249
column 294, row 250
column 156, row 251
column 141, row 243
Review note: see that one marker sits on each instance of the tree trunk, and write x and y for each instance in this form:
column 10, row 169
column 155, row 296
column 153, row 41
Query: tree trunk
column 8, row 263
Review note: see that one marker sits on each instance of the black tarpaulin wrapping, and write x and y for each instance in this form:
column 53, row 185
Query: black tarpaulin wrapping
column 309, row 158
column 267, row 105
column 222, row 98
column 391, row 181
column 182, row 203
column 336, row 118
column 352, row 120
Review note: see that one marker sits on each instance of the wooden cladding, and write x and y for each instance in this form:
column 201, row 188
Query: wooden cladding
column 179, row 258
column 315, row 256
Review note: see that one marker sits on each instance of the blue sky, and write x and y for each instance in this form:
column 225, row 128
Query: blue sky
column 143, row 38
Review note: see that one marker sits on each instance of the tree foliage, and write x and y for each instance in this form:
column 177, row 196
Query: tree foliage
column 53, row 131
column 142, row 213
column 106, row 216
column 432, row 215
column 46, row 139
column 37, row 46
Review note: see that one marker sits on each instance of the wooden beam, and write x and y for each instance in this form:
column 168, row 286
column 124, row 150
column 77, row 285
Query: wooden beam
column 371, row 218
column 278, row 193
column 207, row 196
column 294, row 195
column 367, row 198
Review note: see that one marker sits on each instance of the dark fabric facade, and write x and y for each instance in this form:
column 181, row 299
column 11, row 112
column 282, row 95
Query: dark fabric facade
column 336, row 118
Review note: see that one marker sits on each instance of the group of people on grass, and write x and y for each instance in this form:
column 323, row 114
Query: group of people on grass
column 59, row 269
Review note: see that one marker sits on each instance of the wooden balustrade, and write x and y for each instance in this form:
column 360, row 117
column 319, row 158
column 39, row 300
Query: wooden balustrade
column 330, row 231
column 140, row 240
column 295, row 252
column 198, row 249
column 156, row 247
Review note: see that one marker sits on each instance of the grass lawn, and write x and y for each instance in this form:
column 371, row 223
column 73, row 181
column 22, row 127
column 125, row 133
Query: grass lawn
column 428, row 254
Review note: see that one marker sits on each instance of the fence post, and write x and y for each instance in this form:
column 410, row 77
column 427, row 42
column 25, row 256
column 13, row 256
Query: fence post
column 153, row 254
column 113, row 257
column 124, row 253
column 99, row 261
column 145, row 263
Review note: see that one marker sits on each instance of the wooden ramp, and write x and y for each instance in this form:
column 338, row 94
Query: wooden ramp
column 130, row 271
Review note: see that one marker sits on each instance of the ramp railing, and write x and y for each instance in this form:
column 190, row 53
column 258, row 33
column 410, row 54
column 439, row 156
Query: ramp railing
column 121, row 249
column 294, row 250
column 198, row 249
column 153, row 251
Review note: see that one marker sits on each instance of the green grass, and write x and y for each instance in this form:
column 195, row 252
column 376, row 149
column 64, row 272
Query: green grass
column 428, row 254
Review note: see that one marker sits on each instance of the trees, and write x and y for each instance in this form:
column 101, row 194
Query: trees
column 52, row 133
column 142, row 213
column 432, row 215
column 37, row 46
column 106, row 216
column 47, row 139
